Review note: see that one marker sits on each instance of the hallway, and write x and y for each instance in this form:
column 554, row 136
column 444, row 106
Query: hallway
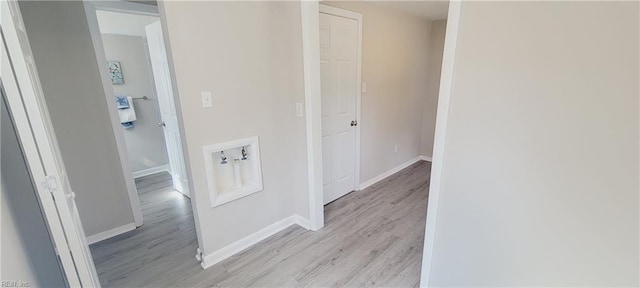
column 371, row 237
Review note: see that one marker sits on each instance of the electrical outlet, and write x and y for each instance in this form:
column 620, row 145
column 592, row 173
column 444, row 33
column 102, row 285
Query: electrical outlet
column 299, row 110
column 207, row 101
column 395, row 148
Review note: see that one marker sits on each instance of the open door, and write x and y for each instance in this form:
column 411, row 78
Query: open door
column 28, row 110
column 166, row 101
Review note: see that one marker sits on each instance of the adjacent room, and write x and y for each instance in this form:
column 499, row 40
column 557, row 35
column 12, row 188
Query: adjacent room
column 125, row 46
column 135, row 59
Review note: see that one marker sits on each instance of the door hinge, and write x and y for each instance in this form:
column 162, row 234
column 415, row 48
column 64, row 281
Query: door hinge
column 51, row 183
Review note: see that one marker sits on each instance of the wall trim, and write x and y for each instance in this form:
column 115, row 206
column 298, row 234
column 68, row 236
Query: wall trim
column 96, row 38
column 310, row 11
column 309, row 15
column 218, row 256
column 150, row 171
column 426, row 158
column 95, row 238
column 302, row 222
column 390, row 172
column 32, row 124
column 127, row 7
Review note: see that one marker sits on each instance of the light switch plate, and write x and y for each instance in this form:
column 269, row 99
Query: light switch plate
column 299, row 110
column 364, row 87
column 207, row 101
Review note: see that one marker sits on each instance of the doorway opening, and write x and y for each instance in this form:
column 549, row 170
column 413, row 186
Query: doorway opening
column 403, row 48
column 130, row 48
column 394, row 115
column 131, row 52
column 68, row 122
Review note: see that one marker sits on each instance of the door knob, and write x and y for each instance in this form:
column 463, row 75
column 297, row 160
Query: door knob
column 161, row 124
column 354, row 123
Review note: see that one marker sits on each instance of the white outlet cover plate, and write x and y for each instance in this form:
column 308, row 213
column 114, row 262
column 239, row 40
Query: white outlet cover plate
column 207, row 101
column 299, row 110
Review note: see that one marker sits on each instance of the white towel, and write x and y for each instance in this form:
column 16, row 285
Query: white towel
column 129, row 114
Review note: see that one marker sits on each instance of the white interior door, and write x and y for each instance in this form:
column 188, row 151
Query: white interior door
column 166, row 101
column 32, row 123
column 338, row 72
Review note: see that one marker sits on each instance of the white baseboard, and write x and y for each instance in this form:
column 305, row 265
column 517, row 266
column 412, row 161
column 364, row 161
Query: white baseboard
column 150, row 171
column 394, row 170
column 95, row 238
column 426, row 158
column 302, row 222
column 211, row 259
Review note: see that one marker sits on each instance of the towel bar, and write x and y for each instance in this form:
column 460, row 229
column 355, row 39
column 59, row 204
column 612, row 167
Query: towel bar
column 138, row 98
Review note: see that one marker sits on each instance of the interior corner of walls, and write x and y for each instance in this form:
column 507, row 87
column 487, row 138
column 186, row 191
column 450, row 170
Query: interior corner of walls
column 426, row 158
column 303, row 222
column 95, row 238
column 388, row 173
column 150, row 171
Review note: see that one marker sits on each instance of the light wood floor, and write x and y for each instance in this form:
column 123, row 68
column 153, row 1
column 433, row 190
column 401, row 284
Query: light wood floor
column 372, row 237
column 167, row 240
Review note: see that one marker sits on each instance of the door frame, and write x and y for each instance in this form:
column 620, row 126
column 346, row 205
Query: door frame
column 310, row 11
column 30, row 116
column 150, row 10
column 439, row 144
column 311, row 54
column 178, row 176
column 90, row 8
column 94, row 29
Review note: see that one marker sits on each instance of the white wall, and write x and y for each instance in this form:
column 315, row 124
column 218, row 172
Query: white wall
column 540, row 177
column 145, row 143
column 69, row 73
column 15, row 257
column 249, row 55
column 395, row 66
column 430, row 105
column 251, row 61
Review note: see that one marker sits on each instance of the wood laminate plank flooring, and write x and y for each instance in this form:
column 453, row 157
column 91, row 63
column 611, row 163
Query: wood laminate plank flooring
column 372, row 238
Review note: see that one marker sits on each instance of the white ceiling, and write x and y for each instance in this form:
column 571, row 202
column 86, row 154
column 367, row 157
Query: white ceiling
column 123, row 23
column 430, row 10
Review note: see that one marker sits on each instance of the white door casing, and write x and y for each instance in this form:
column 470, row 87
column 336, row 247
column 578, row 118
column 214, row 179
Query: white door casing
column 339, row 88
column 166, row 101
column 91, row 7
column 25, row 101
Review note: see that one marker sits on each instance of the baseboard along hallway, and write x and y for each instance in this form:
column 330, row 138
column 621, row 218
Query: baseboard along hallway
column 372, row 237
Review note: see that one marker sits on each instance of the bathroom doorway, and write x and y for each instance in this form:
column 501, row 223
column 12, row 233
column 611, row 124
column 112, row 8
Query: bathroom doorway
column 130, row 50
